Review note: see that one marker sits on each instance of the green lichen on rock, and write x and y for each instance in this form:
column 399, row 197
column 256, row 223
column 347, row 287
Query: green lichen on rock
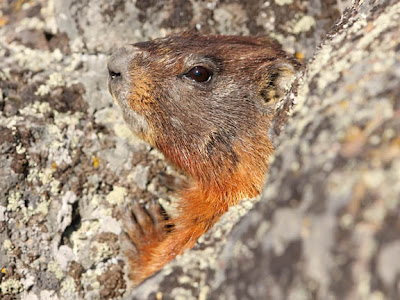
column 11, row 287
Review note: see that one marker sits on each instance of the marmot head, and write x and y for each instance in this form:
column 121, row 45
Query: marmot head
column 193, row 96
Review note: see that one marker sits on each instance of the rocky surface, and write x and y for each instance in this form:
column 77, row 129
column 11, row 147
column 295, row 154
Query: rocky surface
column 327, row 225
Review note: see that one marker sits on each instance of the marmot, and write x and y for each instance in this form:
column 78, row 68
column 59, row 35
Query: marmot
column 206, row 102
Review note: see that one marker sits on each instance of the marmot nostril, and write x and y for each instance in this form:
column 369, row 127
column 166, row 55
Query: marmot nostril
column 115, row 67
column 118, row 63
column 113, row 75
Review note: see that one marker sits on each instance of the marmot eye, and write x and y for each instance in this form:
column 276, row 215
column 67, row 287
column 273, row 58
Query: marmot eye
column 199, row 74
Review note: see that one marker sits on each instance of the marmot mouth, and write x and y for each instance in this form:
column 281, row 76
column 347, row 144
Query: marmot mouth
column 137, row 123
column 115, row 99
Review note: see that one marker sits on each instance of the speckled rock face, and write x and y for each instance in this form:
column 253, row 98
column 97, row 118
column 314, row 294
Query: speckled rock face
column 95, row 26
column 328, row 222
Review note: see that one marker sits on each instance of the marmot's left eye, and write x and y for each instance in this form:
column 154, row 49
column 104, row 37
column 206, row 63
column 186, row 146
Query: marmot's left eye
column 199, row 74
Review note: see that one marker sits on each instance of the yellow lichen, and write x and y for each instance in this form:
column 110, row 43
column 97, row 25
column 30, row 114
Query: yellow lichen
column 299, row 56
column 18, row 4
column 3, row 21
column 344, row 104
column 96, row 161
column 353, row 133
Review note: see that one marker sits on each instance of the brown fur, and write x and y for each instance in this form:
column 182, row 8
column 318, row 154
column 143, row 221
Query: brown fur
column 216, row 132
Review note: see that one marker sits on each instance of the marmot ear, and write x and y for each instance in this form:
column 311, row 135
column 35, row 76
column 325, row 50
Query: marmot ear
column 276, row 79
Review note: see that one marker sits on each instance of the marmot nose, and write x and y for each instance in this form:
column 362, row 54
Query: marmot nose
column 118, row 63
